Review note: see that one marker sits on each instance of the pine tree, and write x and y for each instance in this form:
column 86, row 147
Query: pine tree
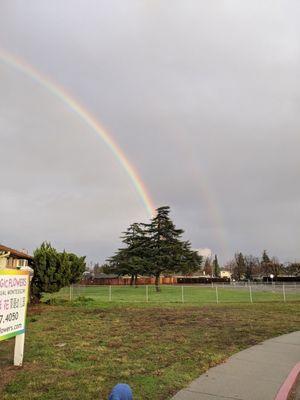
column 132, row 259
column 216, row 267
column 265, row 263
column 191, row 261
column 153, row 249
column 167, row 253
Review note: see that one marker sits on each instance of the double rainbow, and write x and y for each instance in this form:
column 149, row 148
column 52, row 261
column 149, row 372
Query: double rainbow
column 75, row 105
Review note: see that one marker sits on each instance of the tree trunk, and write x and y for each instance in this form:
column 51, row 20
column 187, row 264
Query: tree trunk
column 34, row 294
column 157, row 283
column 34, row 299
column 131, row 280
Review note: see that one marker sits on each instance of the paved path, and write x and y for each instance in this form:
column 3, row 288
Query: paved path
column 253, row 374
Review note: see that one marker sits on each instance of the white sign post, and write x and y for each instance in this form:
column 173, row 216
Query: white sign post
column 14, row 290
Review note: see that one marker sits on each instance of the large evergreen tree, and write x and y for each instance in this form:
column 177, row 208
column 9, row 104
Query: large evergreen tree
column 191, row 261
column 166, row 251
column 153, row 249
column 132, row 259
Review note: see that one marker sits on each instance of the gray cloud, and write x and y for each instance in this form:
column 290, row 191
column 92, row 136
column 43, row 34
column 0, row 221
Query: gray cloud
column 193, row 92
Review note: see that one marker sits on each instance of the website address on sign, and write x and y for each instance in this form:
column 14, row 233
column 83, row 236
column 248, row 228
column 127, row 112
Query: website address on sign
column 9, row 329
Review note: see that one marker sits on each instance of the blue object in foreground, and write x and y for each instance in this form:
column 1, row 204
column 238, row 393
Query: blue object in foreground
column 121, row 391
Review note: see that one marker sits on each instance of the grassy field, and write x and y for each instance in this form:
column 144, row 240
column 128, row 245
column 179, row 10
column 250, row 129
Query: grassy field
column 186, row 294
column 81, row 349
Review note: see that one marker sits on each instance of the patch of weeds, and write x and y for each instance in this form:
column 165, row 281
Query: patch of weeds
column 56, row 302
column 82, row 300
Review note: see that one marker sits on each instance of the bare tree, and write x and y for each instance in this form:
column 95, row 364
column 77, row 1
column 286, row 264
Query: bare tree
column 293, row 269
column 208, row 267
column 237, row 266
column 252, row 266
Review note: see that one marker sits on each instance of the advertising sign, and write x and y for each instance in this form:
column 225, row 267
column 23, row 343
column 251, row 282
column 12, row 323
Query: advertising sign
column 14, row 289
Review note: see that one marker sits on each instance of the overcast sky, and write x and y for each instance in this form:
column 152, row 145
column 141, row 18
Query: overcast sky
column 202, row 96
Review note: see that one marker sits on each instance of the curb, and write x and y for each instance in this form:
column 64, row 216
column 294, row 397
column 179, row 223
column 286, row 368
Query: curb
column 288, row 384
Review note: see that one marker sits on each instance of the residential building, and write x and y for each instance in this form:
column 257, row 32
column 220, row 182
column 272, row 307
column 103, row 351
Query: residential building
column 225, row 274
column 15, row 259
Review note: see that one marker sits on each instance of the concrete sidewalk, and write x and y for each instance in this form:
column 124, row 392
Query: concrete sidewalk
column 253, row 374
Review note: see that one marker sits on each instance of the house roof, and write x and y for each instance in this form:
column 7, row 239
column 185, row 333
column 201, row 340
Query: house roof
column 16, row 253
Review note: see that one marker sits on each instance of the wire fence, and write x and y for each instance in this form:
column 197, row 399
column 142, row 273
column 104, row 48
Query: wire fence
column 215, row 293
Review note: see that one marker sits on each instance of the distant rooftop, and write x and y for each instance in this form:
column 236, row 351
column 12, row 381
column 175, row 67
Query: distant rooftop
column 105, row 276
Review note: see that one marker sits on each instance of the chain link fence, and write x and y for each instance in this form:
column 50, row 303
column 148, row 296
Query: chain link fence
column 245, row 292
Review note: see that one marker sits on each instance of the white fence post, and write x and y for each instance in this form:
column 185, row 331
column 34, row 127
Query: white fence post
column 182, row 294
column 250, row 292
column 217, row 295
column 283, row 291
column 147, row 294
column 109, row 293
column 71, row 292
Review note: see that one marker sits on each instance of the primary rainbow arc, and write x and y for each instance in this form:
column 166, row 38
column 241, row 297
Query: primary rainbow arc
column 88, row 118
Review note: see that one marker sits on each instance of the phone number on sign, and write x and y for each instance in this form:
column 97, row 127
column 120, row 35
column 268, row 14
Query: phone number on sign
column 9, row 317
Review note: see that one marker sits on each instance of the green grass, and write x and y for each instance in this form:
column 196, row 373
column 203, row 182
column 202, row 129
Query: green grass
column 80, row 350
column 171, row 294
